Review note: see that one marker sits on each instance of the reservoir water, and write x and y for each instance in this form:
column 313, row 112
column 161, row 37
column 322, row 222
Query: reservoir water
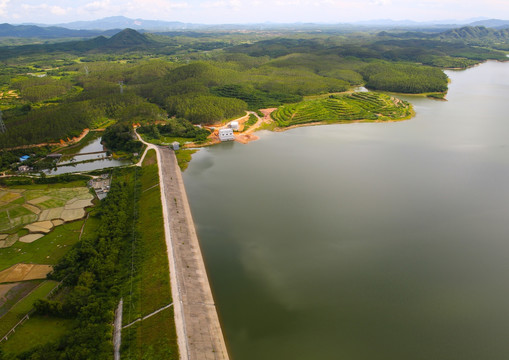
column 365, row 241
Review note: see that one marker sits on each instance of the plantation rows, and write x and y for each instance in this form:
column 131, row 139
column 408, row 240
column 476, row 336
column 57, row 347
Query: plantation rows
column 357, row 106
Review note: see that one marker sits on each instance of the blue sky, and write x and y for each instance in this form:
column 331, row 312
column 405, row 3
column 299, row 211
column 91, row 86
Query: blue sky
column 250, row 11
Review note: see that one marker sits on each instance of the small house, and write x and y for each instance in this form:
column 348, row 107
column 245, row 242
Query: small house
column 175, row 145
column 234, row 125
column 226, row 134
column 24, row 168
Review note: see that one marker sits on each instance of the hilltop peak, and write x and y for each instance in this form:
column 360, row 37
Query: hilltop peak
column 127, row 38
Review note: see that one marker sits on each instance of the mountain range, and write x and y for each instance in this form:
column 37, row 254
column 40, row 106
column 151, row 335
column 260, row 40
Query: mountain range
column 98, row 27
column 49, row 32
column 110, row 26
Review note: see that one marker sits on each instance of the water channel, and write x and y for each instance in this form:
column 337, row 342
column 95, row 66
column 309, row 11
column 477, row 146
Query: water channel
column 365, row 241
column 76, row 163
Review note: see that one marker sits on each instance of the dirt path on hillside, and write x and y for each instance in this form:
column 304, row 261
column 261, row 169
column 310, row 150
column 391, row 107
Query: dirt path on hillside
column 61, row 143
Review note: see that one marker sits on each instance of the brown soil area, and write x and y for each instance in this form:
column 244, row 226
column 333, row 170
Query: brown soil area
column 40, row 227
column 24, row 272
column 245, row 138
column 4, row 289
column 30, row 238
column 74, row 214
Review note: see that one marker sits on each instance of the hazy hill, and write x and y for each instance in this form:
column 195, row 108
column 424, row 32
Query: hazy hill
column 52, row 32
column 121, row 22
column 492, row 23
column 476, row 34
column 125, row 40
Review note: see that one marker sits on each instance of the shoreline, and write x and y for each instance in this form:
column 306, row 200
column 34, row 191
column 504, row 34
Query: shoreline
column 199, row 332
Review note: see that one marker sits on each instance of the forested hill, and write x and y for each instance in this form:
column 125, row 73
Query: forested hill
column 128, row 38
column 125, row 40
column 53, row 91
column 476, row 33
column 466, row 36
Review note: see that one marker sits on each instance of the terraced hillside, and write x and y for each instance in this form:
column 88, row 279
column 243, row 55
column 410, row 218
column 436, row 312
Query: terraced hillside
column 339, row 108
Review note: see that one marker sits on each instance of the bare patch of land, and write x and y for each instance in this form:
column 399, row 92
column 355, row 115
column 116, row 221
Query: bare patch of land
column 24, row 272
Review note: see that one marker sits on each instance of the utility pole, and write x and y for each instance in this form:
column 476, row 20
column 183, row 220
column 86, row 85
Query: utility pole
column 86, row 70
column 3, row 128
column 121, row 83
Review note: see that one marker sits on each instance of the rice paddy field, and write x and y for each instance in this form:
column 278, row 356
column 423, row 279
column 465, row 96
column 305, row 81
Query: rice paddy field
column 27, row 214
column 38, row 225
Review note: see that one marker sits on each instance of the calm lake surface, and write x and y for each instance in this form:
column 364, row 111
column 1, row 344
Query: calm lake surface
column 365, row 241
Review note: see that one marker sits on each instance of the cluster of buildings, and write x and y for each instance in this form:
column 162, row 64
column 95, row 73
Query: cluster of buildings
column 101, row 185
column 226, row 134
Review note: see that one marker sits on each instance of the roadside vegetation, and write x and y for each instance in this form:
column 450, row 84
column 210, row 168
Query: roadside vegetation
column 179, row 130
column 154, row 337
column 250, row 122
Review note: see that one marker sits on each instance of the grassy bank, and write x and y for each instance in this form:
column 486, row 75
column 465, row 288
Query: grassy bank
column 155, row 337
column 184, row 156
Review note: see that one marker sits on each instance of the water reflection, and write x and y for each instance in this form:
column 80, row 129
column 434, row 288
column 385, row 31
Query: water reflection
column 365, row 241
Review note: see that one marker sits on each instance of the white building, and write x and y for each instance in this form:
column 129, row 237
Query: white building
column 234, row 125
column 175, row 145
column 226, row 134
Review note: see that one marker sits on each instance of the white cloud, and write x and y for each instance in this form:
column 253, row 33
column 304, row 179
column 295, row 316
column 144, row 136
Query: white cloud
column 156, row 7
column 3, row 6
column 215, row 4
column 381, row 2
column 232, row 4
column 55, row 10
column 97, row 6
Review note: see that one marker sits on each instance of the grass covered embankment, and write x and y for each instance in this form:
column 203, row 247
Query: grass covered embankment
column 365, row 106
column 155, row 337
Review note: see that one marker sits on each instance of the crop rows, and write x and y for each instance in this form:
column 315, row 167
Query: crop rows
column 357, row 106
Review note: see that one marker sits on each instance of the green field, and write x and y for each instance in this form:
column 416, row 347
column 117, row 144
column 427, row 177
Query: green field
column 338, row 108
column 155, row 337
column 38, row 330
column 16, row 294
column 47, row 250
column 22, row 308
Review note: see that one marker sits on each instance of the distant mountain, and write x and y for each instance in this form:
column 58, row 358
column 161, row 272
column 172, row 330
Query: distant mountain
column 492, row 23
column 449, row 23
column 51, row 32
column 121, row 22
column 476, row 34
column 125, row 40
column 387, row 22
